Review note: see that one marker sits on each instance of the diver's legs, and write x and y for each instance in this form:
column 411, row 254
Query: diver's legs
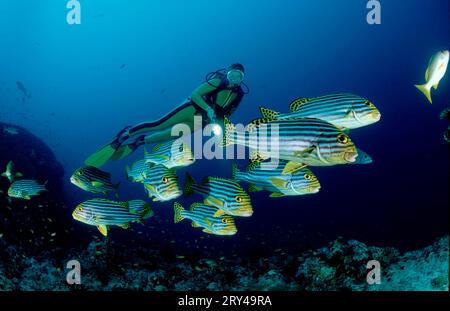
column 117, row 150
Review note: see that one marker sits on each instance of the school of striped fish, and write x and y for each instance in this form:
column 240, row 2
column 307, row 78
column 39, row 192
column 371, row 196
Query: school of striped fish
column 314, row 132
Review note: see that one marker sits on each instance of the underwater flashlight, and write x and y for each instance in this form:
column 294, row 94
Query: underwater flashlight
column 216, row 129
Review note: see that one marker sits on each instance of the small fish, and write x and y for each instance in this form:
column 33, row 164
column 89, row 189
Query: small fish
column 104, row 213
column 202, row 215
column 363, row 158
column 11, row 172
column 138, row 171
column 225, row 194
column 270, row 178
column 25, row 189
column 305, row 141
column 93, row 180
column 22, row 88
column 10, row 130
column 437, row 67
column 162, row 183
column 345, row 111
column 171, row 154
column 123, row 66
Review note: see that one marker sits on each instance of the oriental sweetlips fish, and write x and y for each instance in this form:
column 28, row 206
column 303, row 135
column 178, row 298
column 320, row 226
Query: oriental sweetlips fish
column 434, row 74
column 269, row 177
column 11, row 172
column 306, row 141
column 203, row 215
column 138, row 171
column 162, row 184
column 345, row 111
column 171, row 154
column 225, row 194
column 25, row 189
column 103, row 213
column 93, row 180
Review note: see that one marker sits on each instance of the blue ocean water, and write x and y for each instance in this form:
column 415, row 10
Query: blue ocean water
column 134, row 61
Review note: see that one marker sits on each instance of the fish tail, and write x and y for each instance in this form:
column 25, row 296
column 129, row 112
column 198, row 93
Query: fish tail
column 177, row 208
column 148, row 212
column 426, row 90
column 188, row 184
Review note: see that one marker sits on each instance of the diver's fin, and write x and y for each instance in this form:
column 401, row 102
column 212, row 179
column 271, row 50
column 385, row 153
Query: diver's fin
column 426, row 91
column 101, row 156
column 279, row 182
column 103, row 229
column 297, row 104
column 268, row 113
column 277, row 195
column 292, row 167
column 188, row 183
column 122, row 152
column 177, row 208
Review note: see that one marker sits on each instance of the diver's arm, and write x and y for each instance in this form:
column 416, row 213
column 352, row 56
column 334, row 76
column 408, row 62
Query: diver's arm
column 205, row 88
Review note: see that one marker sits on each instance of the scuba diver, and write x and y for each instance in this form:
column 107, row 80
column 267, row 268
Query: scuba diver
column 216, row 98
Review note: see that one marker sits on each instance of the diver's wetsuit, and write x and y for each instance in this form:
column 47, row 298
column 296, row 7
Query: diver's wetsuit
column 215, row 94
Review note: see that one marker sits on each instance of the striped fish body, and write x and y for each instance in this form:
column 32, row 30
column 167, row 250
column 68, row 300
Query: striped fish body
column 138, row 171
column 93, row 180
column 103, row 213
column 313, row 142
column 25, row 189
column 162, row 183
column 345, row 111
column 171, row 154
column 225, row 194
column 202, row 215
column 271, row 178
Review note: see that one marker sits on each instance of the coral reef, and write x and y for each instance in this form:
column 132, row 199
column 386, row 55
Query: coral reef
column 41, row 222
column 341, row 265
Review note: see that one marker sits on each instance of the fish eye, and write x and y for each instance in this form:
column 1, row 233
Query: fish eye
column 239, row 199
column 181, row 148
column 343, row 139
column 369, row 103
column 80, row 209
column 224, row 220
column 165, row 179
column 307, row 176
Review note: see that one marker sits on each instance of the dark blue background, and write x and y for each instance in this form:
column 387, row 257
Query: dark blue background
column 81, row 98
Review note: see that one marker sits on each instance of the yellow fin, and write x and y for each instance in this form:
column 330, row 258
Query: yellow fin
column 103, row 229
column 436, row 86
column 219, row 213
column 208, row 222
column 195, row 224
column 125, row 226
column 277, row 195
column 208, row 231
column 426, row 91
column 426, row 74
column 279, row 182
column 253, row 188
column 213, row 201
column 292, row 167
column 268, row 113
column 97, row 184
